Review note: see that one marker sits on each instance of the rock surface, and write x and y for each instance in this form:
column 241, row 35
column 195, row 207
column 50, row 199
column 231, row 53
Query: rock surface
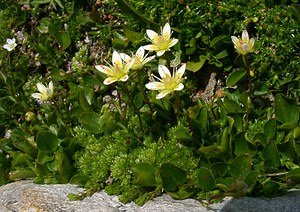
column 25, row 196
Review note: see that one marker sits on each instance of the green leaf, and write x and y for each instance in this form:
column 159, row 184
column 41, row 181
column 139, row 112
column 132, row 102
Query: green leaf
column 108, row 122
column 134, row 37
column 294, row 174
column 195, row 66
column 45, row 157
column 64, row 166
column 79, row 179
column 46, row 142
column 63, row 39
column 271, row 152
column 183, row 193
column 91, row 121
column 286, row 109
column 127, row 8
column 172, row 177
column 145, row 175
column 240, row 144
column 240, row 166
column 296, row 132
column 217, row 40
column 205, row 179
column 84, row 103
column 270, row 129
column 221, row 54
column 24, row 173
column 235, row 77
column 251, row 179
column 26, row 147
column 271, row 188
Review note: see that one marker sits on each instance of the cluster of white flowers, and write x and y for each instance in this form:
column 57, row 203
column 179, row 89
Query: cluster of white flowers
column 123, row 63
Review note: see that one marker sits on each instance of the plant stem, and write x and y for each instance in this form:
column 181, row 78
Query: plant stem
column 141, row 87
column 178, row 105
column 124, row 88
column 246, row 62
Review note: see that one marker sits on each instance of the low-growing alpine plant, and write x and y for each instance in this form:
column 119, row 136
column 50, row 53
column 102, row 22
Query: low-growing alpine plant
column 94, row 95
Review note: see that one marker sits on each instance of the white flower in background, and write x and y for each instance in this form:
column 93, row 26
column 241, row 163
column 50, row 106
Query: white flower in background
column 160, row 43
column 140, row 59
column 45, row 93
column 243, row 46
column 8, row 134
column 10, row 44
column 118, row 71
column 168, row 83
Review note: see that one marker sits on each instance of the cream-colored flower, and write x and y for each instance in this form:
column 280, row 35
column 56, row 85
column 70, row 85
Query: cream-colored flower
column 10, row 44
column 118, row 71
column 168, row 83
column 140, row 59
column 45, row 93
column 243, row 46
column 160, row 43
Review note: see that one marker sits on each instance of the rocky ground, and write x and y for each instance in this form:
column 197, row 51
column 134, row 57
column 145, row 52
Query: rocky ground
column 25, row 196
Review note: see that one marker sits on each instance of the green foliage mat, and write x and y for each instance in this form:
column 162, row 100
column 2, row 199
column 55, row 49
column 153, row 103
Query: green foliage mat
column 231, row 128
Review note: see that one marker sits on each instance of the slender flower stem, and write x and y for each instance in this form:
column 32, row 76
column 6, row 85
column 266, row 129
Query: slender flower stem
column 178, row 105
column 141, row 87
column 246, row 62
column 124, row 88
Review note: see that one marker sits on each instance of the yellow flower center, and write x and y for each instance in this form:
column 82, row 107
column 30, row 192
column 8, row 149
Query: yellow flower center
column 161, row 42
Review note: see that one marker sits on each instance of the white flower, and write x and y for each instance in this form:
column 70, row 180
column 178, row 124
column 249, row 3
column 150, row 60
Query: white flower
column 45, row 94
column 243, row 46
column 160, row 43
column 10, row 44
column 140, row 59
column 168, row 83
column 118, row 71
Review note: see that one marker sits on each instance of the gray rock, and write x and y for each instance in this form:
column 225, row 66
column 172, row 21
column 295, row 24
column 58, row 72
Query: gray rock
column 25, row 196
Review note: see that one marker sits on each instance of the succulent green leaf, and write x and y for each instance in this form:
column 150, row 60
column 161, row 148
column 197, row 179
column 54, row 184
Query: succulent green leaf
column 172, row 176
column 271, row 152
column 270, row 188
column 240, row 166
column 91, row 121
column 235, row 77
column 46, row 142
column 205, row 179
column 145, row 175
column 286, row 109
column 195, row 66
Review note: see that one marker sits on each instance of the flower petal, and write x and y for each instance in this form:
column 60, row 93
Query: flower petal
column 235, row 40
column 150, row 47
column 109, row 80
column 37, row 95
column 140, row 52
column 164, row 71
column 155, row 86
column 7, row 47
column 42, row 88
column 125, row 57
column 162, row 94
column 148, row 59
column 151, row 34
column 104, row 69
column 166, row 32
column 179, row 87
column 160, row 52
column 124, row 78
column 116, row 59
column 180, row 71
column 173, row 42
column 245, row 36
